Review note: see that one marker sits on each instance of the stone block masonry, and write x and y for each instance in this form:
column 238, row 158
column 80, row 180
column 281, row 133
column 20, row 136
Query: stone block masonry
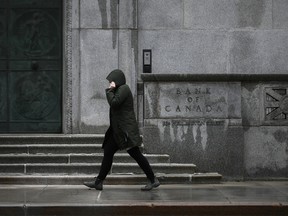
column 238, row 129
column 192, row 100
column 214, row 36
column 205, row 119
column 196, row 121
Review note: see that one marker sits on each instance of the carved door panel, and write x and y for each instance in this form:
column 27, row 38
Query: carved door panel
column 30, row 66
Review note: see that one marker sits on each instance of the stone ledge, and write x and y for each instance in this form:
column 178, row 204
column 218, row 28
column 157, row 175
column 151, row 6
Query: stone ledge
column 214, row 77
column 112, row 179
column 50, row 138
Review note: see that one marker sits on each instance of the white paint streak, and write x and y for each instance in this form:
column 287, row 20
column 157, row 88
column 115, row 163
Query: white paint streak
column 177, row 133
column 194, row 129
column 204, row 135
column 99, row 196
column 161, row 128
column 172, row 134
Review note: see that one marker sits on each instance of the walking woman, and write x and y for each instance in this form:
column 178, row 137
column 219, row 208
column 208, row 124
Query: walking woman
column 123, row 132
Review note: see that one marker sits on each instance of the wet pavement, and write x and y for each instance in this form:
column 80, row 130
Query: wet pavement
column 257, row 198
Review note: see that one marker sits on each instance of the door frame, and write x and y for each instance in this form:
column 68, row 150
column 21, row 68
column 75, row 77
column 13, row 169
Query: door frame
column 67, row 123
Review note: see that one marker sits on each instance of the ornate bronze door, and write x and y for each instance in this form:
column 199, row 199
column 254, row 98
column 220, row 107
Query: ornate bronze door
column 30, row 66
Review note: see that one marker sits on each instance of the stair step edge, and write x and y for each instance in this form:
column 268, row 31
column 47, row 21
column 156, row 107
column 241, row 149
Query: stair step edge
column 76, row 154
column 50, row 138
column 112, row 179
column 97, row 164
column 49, row 145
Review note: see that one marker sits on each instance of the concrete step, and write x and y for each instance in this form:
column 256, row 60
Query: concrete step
column 75, row 158
column 51, row 139
column 92, row 168
column 112, row 179
column 70, row 158
column 50, row 148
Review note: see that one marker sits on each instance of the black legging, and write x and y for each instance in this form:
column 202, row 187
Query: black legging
column 110, row 148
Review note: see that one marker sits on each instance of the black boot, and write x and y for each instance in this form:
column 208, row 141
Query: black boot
column 151, row 185
column 97, row 184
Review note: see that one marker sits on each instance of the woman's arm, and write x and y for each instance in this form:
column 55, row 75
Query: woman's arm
column 116, row 97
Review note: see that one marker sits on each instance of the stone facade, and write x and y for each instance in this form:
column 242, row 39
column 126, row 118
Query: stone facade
column 265, row 129
column 236, row 126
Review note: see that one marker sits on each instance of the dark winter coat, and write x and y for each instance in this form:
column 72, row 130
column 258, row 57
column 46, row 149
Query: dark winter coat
column 123, row 124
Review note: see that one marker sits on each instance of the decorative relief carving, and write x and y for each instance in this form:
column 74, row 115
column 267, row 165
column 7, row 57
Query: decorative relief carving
column 276, row 103
column 188, row 100
column 35, row 96
column 193, row 100
column 67, row 86
column 34, row 33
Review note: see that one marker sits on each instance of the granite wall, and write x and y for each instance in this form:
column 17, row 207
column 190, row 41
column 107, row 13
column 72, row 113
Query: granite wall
column 221, row 37
column 230, row 37
column 215, row 36
column 264, row 109
column 104, row 38
column 196, row 122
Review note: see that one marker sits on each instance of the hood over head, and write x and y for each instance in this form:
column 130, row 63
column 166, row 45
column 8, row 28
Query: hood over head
column 117, row 76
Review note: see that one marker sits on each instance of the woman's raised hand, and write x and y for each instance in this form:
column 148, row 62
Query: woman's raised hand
column 112, row 85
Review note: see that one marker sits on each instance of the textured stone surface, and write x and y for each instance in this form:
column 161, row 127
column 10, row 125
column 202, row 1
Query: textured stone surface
column 230, row 198
column 128, row 51
column 128, row 14
column 274, row 104
column 266, row 151
column 260, row 108
column 226, row 14
column 256, row 52
column 192, row 100
column 98, row 58
column 204, row 37
column 243, row 78
column 160, row 14
column 251, row 100
column 75, row 13
column 234, row 100
column 108, row 14
column 90, row 14
column 185, row 51
column 280, row 15
column 211, row 144
column 75, row 80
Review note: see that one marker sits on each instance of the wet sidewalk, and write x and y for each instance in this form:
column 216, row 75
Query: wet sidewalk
column 229, row 198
